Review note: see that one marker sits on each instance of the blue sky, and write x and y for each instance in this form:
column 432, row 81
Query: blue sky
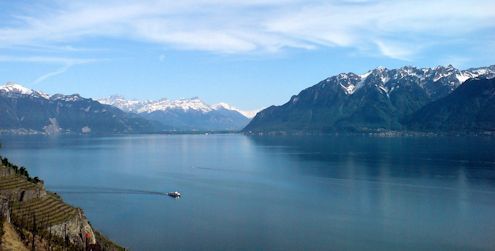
column 250, row 54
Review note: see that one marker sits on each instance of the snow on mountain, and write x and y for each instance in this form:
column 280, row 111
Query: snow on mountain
column 127, row 105
column 247, row 114
column 192, row 104
column 14, row 89
column 185, row 114
column 67, row 98
column 25, row 110
column 463, row 76
column 380, row 100
column 251, row 114
column 387, row 80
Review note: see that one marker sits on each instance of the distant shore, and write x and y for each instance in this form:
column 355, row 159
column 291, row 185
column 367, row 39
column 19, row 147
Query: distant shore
column 380, row 133
column 23, row 132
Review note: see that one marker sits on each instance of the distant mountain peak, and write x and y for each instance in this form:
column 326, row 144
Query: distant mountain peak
column 247, row 114
column 222, row 105
column 24, row 110
column 13, row 89
column 77, row 114
column 68, row 98
column 195, row 104
column 389, row 79
column 164, row 104
column 16, row 88
column 185, row 113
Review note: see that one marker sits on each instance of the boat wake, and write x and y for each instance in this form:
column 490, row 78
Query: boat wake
column 102, row 190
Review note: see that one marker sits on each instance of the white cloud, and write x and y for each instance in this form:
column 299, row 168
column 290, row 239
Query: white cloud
column 53, row 73
column 66, row 62
column 396, row 50
column 47, row 59
column 225, row 26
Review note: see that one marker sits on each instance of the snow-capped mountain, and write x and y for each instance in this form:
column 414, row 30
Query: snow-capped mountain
column 437, row 81
column 378, row 99
column 11, row 89
column 247, row 114
column 27, row 109
column 14, row 90
column 123, row 104
column 23, row 110
column 148, row 106
column 184, row 114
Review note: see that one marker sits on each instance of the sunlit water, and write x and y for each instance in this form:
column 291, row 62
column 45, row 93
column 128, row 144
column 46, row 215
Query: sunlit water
column 274, row 193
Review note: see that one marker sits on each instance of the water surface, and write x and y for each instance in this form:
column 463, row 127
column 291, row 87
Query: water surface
column 274, row 193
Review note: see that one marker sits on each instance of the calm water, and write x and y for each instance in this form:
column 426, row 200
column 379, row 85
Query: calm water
column 274, row 193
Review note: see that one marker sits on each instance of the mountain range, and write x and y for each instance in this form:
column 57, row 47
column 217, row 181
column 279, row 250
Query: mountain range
column 24, row 110
column 27, row 111
column 440, row 99
column 184, row 114
column 381, row 99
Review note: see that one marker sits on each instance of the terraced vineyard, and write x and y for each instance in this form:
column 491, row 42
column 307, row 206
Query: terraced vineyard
column 42, row 217
column 13, row 182
column 48, row 210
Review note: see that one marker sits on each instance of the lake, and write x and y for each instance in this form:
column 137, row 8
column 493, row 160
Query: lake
column 274, row 193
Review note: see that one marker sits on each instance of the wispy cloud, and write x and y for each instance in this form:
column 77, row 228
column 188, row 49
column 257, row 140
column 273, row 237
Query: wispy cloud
column 224, row 26
column 47, row 59
column 397, row 50
column 66, row 62
column 53, row 73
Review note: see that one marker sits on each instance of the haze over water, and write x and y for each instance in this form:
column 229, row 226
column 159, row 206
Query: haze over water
column 276, row 193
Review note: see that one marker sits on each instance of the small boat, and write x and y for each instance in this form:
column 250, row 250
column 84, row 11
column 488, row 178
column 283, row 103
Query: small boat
column 174, row 194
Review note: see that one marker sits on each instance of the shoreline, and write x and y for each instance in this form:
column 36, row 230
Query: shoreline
column 378, row 133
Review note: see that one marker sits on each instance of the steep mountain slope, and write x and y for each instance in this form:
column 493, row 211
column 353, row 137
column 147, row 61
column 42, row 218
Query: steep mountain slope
column 23, row 109
column 470, row 107
column 184, row 114
column 377, row 100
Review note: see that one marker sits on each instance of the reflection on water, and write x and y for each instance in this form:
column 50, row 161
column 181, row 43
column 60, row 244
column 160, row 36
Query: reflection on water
column 278, row 193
